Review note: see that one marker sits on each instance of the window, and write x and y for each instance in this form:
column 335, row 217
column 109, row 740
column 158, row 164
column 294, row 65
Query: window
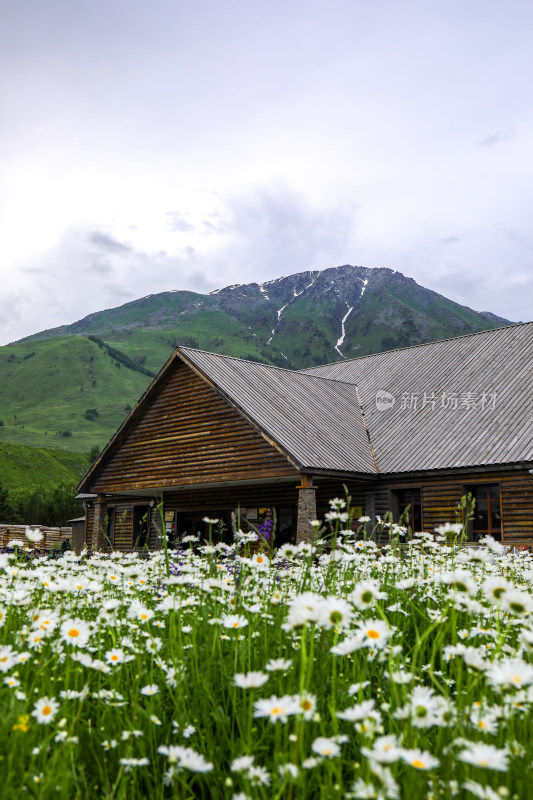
column 409, row 508
column 487, row 518
column 141, row 525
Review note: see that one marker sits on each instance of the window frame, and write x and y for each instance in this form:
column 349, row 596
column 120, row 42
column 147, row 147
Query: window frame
column 472, row 488
column 395, row 503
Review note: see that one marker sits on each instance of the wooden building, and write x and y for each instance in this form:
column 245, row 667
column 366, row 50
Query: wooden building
column 417, row 427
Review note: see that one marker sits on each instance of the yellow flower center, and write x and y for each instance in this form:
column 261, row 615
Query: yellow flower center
column 418, row 764
column 73, row 632
column 372, row 634
column 306, row 705
column 46, row 710
column 235, row 624
column 114, row 657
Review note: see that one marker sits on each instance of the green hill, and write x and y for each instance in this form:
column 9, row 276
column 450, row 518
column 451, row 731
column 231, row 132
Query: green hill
column 64, row 393
column 25, row 467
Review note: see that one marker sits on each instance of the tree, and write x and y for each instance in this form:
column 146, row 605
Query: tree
column 4, row 504
column 94, row 452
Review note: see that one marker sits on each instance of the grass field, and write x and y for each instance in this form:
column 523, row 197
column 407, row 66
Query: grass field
column 225, row 673
column 47, row 387
column 30, row 467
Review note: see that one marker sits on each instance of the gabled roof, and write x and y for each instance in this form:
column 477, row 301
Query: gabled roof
column 459, row 402
column 482, row 430
column 317, row 421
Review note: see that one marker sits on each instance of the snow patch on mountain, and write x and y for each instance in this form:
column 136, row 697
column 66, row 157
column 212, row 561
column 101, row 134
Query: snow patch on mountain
column 343, row 331
column 295, row 295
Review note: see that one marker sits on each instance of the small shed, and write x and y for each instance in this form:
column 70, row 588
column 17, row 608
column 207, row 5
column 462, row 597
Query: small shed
column 78, row 534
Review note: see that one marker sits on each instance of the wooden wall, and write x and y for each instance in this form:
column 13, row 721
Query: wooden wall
column 442, row 493
column 189, row 435
column 440, row 496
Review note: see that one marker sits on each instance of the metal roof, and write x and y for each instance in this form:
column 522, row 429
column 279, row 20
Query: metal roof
column 315, row 420
column 489, row 373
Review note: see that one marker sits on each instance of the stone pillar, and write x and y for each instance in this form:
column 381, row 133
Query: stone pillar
column 99, row 524
column 306, row 509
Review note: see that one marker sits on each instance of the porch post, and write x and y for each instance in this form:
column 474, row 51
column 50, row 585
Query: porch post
column 99, row 523
column 306, row 508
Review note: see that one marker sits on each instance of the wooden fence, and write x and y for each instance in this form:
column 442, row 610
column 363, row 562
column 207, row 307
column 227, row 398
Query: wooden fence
column 52, row 539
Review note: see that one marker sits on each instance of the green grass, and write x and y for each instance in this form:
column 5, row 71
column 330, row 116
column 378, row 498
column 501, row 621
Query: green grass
column 127, row 679
column 46, row 386
column 28, row 467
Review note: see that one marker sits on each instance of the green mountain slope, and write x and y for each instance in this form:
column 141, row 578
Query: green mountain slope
column 59, row 388
column 64, row 393
column 30, row 467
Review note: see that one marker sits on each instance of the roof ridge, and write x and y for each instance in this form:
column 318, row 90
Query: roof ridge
column 268, row 366
column 422, row 344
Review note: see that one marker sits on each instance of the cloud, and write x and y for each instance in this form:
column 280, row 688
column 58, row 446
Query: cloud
column 450, row 239
column 177, row 222
column 276, row 230
column 33, row 270
column 498, row 138
column 106, row 242
column 102, row 266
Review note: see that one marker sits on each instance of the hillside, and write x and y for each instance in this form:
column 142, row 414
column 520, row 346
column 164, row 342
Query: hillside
column 64, row 393
column 31, row 467
column 71, row 387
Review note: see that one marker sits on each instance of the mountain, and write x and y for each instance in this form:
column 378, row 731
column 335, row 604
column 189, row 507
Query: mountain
column 295, row 321
column 71, row 386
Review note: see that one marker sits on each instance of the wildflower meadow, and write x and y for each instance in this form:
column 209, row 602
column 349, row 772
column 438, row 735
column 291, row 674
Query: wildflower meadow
column 338, row 668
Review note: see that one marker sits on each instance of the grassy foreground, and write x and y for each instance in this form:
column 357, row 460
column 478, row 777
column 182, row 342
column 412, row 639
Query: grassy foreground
column 218, row 672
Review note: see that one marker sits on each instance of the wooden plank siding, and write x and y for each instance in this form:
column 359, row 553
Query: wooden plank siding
column 123, row 538
column 89, row 522
column 441, row 494
column 189, row 435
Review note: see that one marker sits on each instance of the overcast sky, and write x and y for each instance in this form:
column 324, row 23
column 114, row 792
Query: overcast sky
column 147, row 146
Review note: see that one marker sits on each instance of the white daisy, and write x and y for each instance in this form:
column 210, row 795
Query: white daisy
column 281, row 664
column 277, row 708
column 419, row 759
column 484, row 755
column 186, row 758
column 250, row 680
column 45, row 710
column 234, row 621
column 75, row 632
